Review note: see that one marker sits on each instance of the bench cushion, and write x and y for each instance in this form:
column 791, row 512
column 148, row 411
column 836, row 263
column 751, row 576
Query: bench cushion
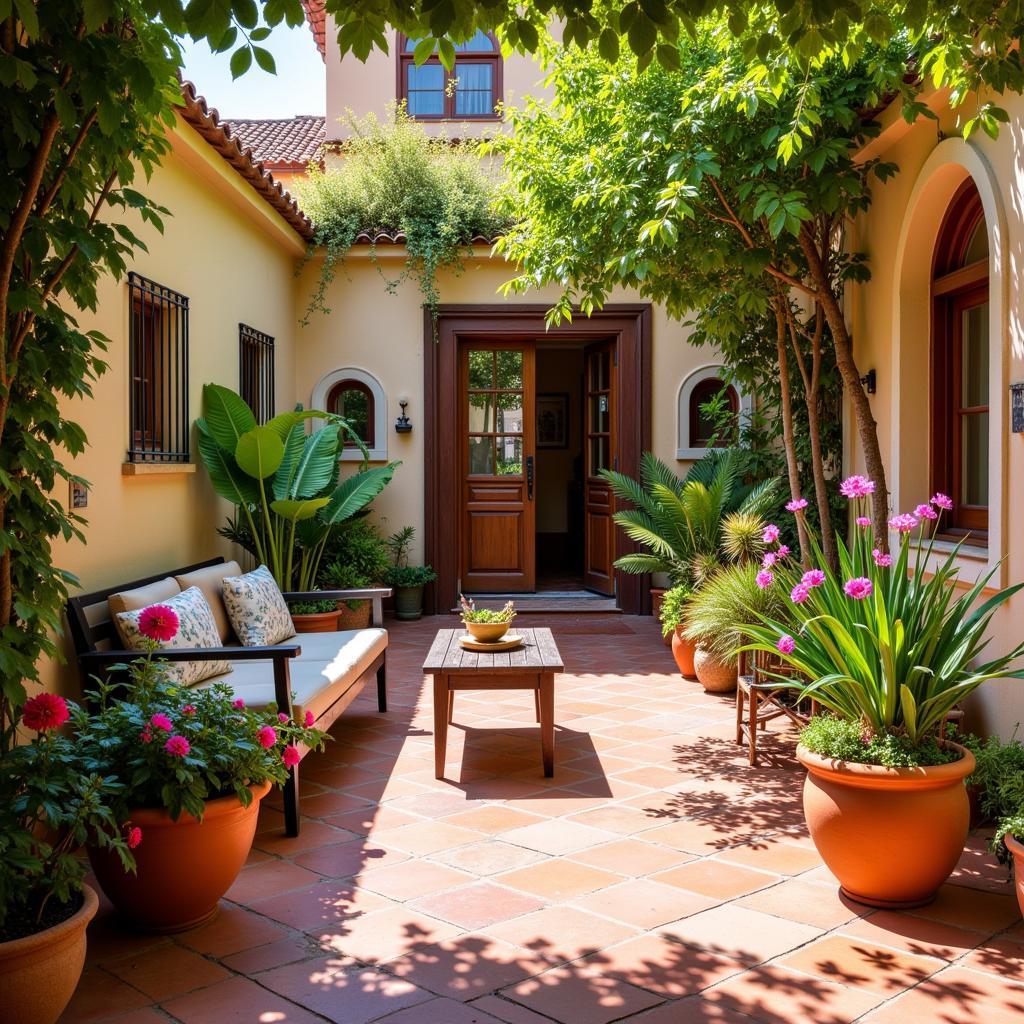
column 209, row 580
column 329, row 664
column 140, row 597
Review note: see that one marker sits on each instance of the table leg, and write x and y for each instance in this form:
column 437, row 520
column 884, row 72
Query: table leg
column 546, row 690
column 451, row 705
column 440, row 723
column 536, row 703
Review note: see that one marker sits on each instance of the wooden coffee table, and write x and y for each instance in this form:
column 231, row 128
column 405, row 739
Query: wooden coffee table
column 530, row 667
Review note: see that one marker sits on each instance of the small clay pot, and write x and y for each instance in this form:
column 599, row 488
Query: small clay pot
column 714, row 674
column 39, row 973
column 182, row 867
column 890, row 835
column 1016, row 848
column 316, row 622
column 683, row 651
column 487, row 632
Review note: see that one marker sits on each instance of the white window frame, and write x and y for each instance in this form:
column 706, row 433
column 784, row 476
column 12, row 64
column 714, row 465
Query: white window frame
column 379, row 452
column 685, row 449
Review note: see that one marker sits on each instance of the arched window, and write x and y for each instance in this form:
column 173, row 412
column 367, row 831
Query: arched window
column 358, row 396
column 696, row 429
column 960, row 362
column 354, row 400
column 469, row 92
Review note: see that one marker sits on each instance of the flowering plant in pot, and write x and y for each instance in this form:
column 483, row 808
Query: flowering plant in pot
column 486, row 624
column 51, row 803
column 889, row 650
column 195, row 763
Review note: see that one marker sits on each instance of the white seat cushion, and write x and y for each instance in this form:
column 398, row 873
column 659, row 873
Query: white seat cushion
column 329, row 664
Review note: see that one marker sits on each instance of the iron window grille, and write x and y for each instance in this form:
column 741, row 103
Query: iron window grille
column 158, row 370
column 256, row 371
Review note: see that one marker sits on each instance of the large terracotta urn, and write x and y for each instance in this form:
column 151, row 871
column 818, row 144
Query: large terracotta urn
column 890, row 835
column 1016, row 848
column 683, row 651
column 713, row 673
column 183, row 867
column 39, row 973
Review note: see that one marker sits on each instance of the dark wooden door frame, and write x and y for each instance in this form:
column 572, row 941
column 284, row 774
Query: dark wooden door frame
column 628, row 324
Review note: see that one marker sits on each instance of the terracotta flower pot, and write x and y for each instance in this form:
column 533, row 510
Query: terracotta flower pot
column 39, row 973
column 1016, row 848
column 183, row 867
column 353, row 618
column 683, row 651
column 487, row 632
column 715, row 675
column 657, row 596
column 890, row 835
column 316, row 622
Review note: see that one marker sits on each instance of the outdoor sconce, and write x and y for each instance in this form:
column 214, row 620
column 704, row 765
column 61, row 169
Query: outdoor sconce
column 870, row 381
column 1017, row 407
column 403, row 424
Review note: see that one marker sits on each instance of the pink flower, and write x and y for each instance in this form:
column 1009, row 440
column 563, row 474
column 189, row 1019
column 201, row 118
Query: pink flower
column 882, row 560
column 188, row 709
column 177, row 746
column 925, row 512
column 856, row 486
column 863, row 521
column 764, row 579
column 159, row 622
column 238, row 703
column 282, row 717
column 799, row 593
column 769, row 559
column 786, row 644
column 44, row 712
column 813, row 578
column 943, row 501
column 267, row 736
column 290, row 755
column 771, row 534
column 161, row 721
column 904, row 522
column 858, row 588
column 782, row 551
column 796, row 505
column 309, row 720
column 145, row 736
column 133, row 835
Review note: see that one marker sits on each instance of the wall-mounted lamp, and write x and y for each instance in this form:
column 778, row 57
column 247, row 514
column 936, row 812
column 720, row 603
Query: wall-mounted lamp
column 870, row 381
column 403, row 424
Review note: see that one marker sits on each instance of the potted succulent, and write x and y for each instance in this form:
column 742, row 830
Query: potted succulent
column 889, row 650
column 485, row 624
column 356, row 558
column 195, row 762
column 673, row 618
column 407, row 580
column 51, row 803
column 1008, row 846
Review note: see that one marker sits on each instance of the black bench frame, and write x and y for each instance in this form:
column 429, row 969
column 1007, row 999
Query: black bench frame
column 92, row 660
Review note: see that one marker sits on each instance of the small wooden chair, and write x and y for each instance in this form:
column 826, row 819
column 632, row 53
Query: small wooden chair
column 763, row 695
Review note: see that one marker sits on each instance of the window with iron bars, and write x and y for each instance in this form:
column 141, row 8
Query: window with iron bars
column 256, row 371
column 158, row 370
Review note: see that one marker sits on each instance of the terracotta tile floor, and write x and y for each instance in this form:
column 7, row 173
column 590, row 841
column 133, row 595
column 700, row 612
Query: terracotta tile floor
column 656, row 878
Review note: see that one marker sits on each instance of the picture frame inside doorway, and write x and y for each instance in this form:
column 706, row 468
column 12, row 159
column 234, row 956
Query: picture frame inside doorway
column 553, row 420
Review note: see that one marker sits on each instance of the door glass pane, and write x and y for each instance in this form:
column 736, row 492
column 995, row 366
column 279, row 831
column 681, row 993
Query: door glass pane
column 481, row 456
column 974, row 356
column 600, row 416
column 599, row 366
column 598, row 454
column 510, row 414
column 510, row 456
column 481, row 369
column 974, row 459
column 481, row 412
column 510, row 370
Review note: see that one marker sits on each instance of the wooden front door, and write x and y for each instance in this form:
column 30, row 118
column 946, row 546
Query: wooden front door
column 599, row 433
column 498, row 466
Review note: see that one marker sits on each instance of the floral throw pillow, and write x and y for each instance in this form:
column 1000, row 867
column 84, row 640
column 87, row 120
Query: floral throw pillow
column 256, row 608
column 196, row 628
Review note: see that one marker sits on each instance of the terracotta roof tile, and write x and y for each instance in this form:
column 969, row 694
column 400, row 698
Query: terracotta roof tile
column 316, row 17
column 218, row 134
column 398, row 238
column 281, row 143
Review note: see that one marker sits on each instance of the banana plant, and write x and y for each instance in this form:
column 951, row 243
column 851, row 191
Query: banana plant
column 283, row 481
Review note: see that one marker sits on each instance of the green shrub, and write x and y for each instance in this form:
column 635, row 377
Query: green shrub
column 674, row 608
column 729, row 601
column 849, row 741
column 999, row 775
column 1012, row 825
column 356, row 558
column 409, row 576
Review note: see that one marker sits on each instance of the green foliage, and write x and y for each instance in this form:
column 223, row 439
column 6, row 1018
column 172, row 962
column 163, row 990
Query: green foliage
column 312, row 607
column 409, row 575
column 674, row 608
column 470, row 612
column 283, row 481
column 847, row 741
column 396, row 179
column 999, row 775
column 400, row 543
column 1011, row 825
column 895, row 659
column 356, row 557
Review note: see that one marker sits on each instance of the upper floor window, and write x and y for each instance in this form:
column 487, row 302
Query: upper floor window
column 960, row 362
column 470, row 91
column 256, row 371
column 158, row 372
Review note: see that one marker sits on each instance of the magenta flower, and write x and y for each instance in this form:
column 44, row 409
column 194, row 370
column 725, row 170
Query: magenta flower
column 290, row 755
column 771, row 534
column 813, row 578
column 145, row 736
column 856, row 486
column 782, row 551
column 769, row 559
column 177, row 746
column 188, row 709
column 159, row 622
column 282, row 717
column 267, row 736
column 161, row 721
column 309, row 720
column 943, row 501
column 240, row 704
column 925, row 512
column 858, row 588
column 796, row 505
column 799, row 593
column 44, row 712
column 863, row 521
column 764, row 579
column 882, row 560
column 786, row 644
column 904, row 523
